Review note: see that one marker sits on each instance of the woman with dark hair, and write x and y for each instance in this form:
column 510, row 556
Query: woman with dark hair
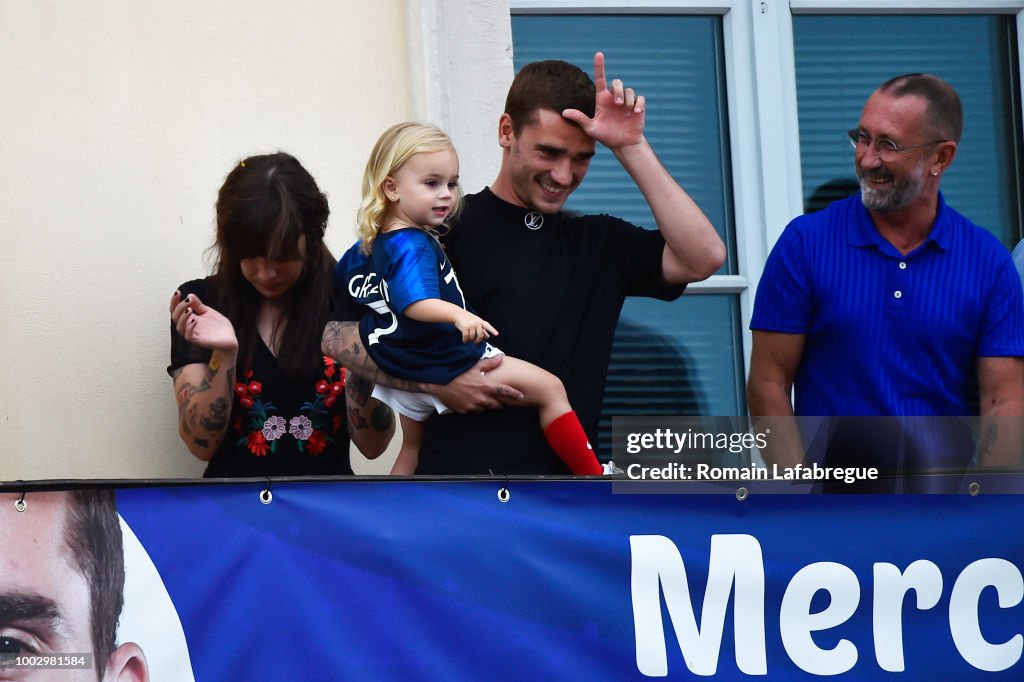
column 255, row 395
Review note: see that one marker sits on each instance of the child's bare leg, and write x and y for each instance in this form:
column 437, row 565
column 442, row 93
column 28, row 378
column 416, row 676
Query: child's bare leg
column 409, row 454
column 562, row 427
column 540, row 388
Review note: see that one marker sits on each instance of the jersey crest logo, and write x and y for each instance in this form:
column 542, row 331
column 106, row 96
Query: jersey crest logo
column 533, row 220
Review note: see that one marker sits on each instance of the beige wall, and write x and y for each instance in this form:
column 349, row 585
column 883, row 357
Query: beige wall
column 119, row 121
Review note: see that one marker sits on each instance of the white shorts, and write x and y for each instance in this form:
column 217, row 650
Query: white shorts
column 419, row 406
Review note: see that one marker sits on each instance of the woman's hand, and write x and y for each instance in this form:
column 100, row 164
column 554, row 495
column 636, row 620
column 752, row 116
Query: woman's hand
column 203, row 390
column 200, row 324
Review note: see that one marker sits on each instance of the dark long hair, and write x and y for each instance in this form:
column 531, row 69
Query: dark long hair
column 264, row 206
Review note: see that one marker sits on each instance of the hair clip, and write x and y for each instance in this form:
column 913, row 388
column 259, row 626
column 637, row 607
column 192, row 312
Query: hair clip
column 242, row 164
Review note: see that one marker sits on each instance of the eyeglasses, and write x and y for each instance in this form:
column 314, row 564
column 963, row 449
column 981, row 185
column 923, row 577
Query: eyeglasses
column 883, row 147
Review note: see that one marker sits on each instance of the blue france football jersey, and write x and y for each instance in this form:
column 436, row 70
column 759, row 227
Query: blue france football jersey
column 406, row 266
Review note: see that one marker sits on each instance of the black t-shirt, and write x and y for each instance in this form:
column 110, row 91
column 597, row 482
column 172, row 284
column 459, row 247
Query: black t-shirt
column 554, row 294
column 280, row 425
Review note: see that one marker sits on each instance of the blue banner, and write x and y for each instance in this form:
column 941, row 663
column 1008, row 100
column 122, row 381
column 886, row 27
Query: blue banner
column 382, row 580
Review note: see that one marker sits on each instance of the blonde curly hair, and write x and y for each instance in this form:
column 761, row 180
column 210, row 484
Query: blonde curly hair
column 396, row 146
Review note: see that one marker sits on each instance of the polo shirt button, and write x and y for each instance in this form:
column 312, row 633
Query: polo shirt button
column 897, row 294
column 903, row 266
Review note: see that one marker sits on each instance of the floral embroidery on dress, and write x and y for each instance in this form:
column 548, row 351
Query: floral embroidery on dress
column 317, row 442
column 258, row 444
column 300, row 427
column 274, row 427
column 260, row 428
column 328, row 391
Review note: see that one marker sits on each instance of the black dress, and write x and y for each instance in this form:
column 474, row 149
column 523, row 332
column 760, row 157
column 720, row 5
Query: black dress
column 280, row 425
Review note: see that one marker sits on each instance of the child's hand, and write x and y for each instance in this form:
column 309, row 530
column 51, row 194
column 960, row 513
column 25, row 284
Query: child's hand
column 474, row 329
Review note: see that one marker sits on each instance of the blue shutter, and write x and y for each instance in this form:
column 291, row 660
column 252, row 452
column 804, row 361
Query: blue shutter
column 668, row 358
column 676, row 62
column 841, row 59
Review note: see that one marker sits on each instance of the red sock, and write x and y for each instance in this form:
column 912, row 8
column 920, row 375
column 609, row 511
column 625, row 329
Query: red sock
column 569, row 441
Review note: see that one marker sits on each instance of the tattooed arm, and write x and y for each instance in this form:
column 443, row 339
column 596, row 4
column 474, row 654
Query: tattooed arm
column 1001, row 385
column 204, row 391
column 341, row 341
column 471, row 391
column 371, row 424
column 203, row 394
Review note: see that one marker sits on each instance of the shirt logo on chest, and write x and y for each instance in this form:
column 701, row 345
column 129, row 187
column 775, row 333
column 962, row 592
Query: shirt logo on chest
column 361, row 286
column 533, row 220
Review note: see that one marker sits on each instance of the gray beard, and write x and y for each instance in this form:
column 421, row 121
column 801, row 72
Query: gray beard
column 896, row 198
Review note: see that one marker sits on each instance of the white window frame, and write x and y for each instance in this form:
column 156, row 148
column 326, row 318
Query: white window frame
column 763, row 166
column 933, row 7
column 760, row 78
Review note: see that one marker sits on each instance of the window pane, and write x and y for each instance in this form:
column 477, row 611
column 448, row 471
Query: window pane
column 840, row 60
column 678, row 358
column 676, row 63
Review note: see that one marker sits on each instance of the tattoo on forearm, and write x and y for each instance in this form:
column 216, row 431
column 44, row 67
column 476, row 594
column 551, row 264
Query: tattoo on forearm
column 185, row 395
column 219, row 411
column 218, row 417
column 331, row 342
column 188, row 421
column 212, row 367
column 341, row 341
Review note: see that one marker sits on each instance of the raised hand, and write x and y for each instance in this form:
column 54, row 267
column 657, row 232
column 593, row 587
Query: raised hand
column 618, row 113
column 202, row 325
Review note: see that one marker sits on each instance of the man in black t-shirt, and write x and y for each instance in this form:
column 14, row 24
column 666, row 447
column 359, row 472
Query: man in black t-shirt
column 552, row 284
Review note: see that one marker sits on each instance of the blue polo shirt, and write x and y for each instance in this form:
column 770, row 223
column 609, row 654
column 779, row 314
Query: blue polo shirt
column 888, row 334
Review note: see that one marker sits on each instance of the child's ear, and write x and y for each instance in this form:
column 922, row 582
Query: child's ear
column 390, row 188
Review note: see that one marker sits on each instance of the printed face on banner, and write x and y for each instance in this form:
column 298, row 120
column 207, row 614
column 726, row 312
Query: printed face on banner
column 45, row 602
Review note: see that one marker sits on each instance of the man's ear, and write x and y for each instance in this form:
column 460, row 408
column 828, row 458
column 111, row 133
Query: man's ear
column 944, row 156
column 505, row 131
column 126, row 664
